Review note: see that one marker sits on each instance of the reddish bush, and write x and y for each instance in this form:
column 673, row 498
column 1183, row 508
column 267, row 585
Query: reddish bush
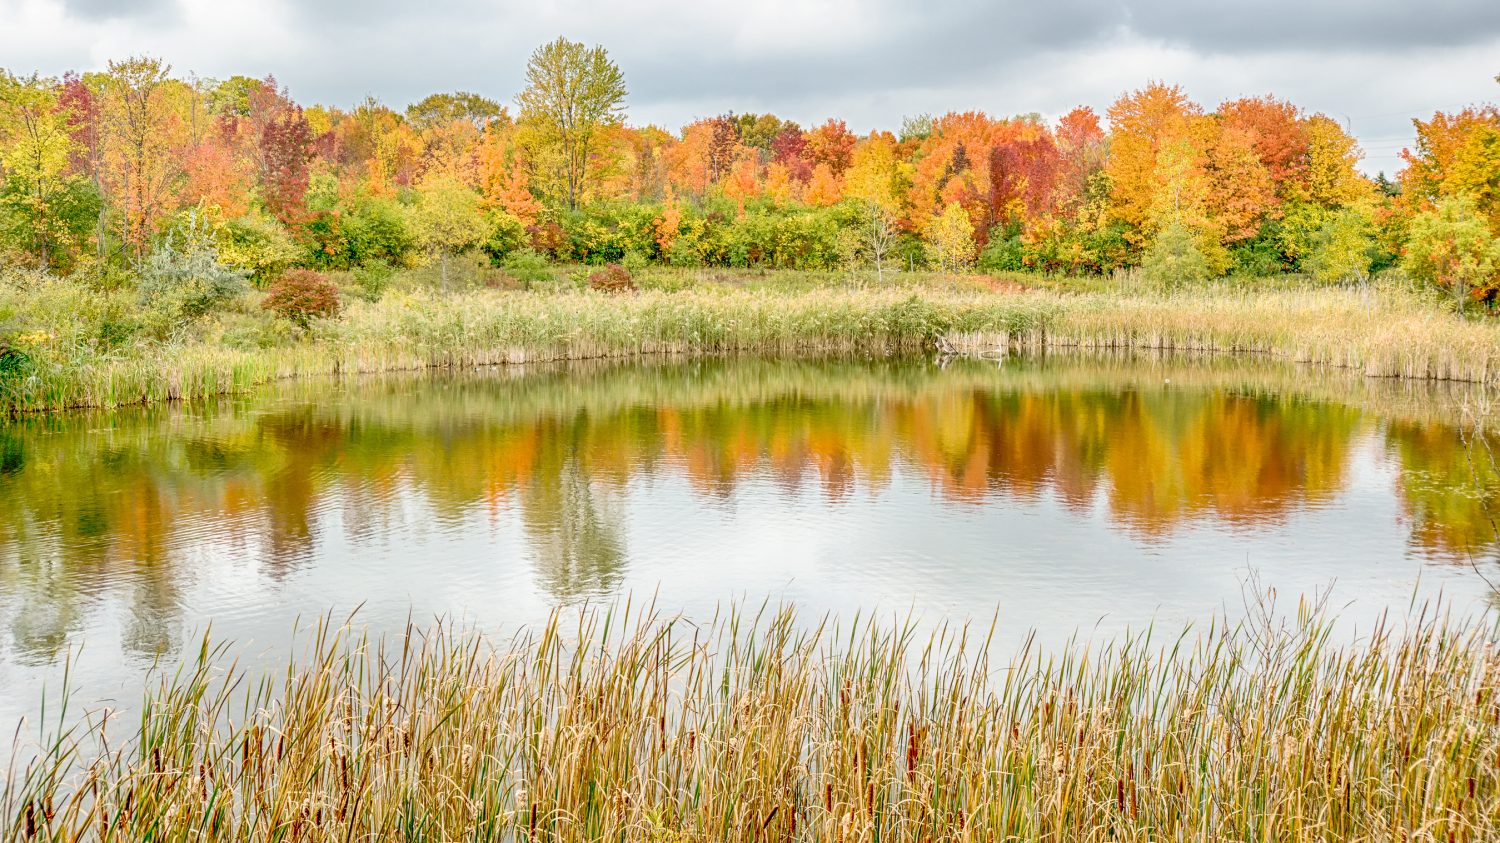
column 302, row 295
column 612, row 279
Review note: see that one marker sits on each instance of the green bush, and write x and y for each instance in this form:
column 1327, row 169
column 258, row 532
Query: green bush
column 372, row 279
column 528, row 267
column 1174, row 258
column 258, row 245
column 183, row 279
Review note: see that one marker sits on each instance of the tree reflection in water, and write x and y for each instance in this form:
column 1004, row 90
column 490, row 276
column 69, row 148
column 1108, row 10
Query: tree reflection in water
column 137, row 497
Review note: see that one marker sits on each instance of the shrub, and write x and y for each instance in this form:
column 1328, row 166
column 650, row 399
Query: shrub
column 372, row 279
column 13, row 361
column 1174, row 258
column 258, row 245
column 301, row 295
column 612, row 279
column 183, row 279
column 1344, row 248
column 1451, row 247
column 528, row 267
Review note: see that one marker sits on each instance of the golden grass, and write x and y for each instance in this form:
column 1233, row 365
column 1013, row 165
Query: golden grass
column 1389, row 334
column 761, row 728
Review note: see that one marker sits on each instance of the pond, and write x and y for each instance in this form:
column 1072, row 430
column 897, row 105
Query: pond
column 1066, row 496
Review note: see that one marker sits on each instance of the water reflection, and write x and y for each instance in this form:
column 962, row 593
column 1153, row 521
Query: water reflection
column 153, row 505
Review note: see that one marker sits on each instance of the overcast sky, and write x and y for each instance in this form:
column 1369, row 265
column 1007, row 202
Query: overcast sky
column 1371, row 63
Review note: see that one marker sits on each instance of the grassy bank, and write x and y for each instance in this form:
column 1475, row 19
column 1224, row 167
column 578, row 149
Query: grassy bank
column 1382, row 334
column 758, row 728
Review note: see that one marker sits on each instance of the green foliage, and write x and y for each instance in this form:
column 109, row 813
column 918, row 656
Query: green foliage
column 1005, row 251
column 1451, row 247
column 183, row 279
column 1297, row 231
column 372, row 279
column 301, row 295
column 635, row 261
column 1174, row 258
column 257, row 244
column 506, row 235
column 528, row 267
column 1344, row 247
column 373, row 230
column 1260, row 255
column 605, row 231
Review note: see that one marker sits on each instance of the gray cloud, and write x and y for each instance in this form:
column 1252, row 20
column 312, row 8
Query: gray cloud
column 1372, row 62
column 105, row 10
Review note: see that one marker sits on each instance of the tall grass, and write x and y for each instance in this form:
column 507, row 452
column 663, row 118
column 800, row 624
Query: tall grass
column 757, row 727
column 1386, row 335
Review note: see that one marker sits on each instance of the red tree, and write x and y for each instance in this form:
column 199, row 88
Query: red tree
column 789, row 149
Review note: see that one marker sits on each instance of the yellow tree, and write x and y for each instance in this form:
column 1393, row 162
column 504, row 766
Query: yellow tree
column 1333, row 179
column 36, row 145
column 573, row 93
column 1143, row 124
column 950, row 239
column 447, row 219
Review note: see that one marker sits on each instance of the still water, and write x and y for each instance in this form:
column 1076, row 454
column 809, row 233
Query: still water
column 1070, row 496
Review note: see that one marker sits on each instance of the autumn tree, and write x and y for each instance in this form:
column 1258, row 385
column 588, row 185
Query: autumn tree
column 1081, row 144
column 142, row 130
column 758, row 131
column 1241, row 193
column 1276, row 131
column 436, row 110
column 789, row 149
column 573, row 93
column 45, row 206
column 447, row 220
column 950, row 239
column 1024, row 176
column 832, row 144
column 1450, row 246
column 1456, row 154
column 1143, row 125
column 723, row 147
column 283, row 152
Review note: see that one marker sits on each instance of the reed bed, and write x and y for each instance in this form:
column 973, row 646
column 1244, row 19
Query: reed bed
column 1386, row 334
column 760, row 727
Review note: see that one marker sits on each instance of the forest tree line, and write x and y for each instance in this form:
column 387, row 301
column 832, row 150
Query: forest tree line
column 99, row 170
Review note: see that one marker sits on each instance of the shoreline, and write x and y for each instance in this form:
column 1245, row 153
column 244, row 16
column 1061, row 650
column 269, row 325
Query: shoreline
column 1391, row 337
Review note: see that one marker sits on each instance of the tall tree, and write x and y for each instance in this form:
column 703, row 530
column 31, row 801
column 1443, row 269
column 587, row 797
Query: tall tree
column 1144, row 125
column 141, row 161
column 36, row 146
column 573, row 93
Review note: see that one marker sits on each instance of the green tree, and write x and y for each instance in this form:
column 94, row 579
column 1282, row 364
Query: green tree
column 1344, row 247
column 436, row 110
column 447, row 220
column 43, row 207
column 1450, row 246
column 573, row 94
column 1174, row 257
